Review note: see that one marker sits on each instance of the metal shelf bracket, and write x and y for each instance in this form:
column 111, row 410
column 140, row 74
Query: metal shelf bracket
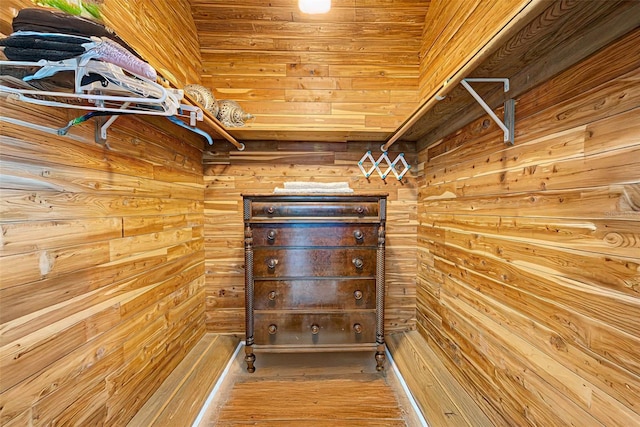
column 195, row 114
column 508, row 125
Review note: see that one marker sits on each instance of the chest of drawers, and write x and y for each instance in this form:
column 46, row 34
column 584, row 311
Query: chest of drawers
column 314, row 273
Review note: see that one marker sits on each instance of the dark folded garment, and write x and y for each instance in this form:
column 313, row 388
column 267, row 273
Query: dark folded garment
column 53, row 21
column 35, row 55
column 61, row 43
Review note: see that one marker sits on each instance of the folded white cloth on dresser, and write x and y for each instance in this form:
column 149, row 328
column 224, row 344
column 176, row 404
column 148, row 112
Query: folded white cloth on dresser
column 314, row 187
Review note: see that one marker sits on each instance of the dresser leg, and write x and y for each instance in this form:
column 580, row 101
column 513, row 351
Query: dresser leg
column 380, row 358
column 250, row 358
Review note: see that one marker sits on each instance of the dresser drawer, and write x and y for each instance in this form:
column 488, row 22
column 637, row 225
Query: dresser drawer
column 327, row 294
column 280, row 262
column 305, row 329
column 305, row 210
column 315, row 234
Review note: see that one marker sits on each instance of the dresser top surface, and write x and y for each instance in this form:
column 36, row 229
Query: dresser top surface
column 313, row 196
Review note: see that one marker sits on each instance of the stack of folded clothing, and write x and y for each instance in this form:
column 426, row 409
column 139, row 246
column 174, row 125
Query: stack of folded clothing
column 314, row 187
column 42, row 34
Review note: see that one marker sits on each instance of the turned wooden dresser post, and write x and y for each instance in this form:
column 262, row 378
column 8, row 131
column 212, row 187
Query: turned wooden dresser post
column 380, row 286
column 248, row 287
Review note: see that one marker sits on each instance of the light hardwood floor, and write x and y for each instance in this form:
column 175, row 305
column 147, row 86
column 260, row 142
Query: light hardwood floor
column 310, row 389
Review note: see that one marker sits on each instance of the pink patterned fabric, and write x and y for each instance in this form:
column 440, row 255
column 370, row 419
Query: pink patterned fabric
column 109, row 51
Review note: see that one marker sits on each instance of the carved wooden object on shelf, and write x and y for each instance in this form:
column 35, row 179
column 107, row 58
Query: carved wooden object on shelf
column 314, row 273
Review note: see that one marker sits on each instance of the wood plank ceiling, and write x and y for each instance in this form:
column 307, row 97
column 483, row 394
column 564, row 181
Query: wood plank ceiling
column 354, row 74
column 349, row 75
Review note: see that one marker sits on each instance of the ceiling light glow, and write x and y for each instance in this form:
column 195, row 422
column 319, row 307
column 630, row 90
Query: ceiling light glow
column 314, row 6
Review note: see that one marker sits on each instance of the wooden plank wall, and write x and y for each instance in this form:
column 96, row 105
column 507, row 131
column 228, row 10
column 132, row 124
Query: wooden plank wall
column 529, row 256
column 101, row 264
column 264, row 166
column 455, row 30
column 9, row 9
column 355, row 68
column 162, row 32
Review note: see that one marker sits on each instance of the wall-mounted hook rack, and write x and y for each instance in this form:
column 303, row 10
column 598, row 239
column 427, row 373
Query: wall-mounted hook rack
column 391, row 166
column 508, row 125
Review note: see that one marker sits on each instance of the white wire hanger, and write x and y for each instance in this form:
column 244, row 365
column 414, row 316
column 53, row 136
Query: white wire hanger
column 116, row 89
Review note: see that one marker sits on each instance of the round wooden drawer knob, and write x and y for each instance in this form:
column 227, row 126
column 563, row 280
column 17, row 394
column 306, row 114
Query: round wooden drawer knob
column 273, row 329
column 357, row 328
column 315, row 329
column 270, row 210
column 360, row 210
column 359, row 235
column 271, row 263
column 272, row 296
column 357, row 295
column 271, row 235
column 357, row 262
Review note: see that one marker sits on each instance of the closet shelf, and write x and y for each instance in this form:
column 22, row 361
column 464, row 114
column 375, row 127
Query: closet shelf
column 210, row 122
column 104, row 89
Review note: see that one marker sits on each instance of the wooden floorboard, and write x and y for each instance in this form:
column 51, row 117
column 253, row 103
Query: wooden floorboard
column 437, row 393
column 182, row 395
column 316, row 389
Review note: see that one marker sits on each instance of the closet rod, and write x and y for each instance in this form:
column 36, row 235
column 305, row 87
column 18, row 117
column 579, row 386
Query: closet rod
column 215, row 124
column 532, row 8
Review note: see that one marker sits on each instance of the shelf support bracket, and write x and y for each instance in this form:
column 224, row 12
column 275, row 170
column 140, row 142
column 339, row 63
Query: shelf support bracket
column 102, row 136
column 195, row 114
column 508, row 125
